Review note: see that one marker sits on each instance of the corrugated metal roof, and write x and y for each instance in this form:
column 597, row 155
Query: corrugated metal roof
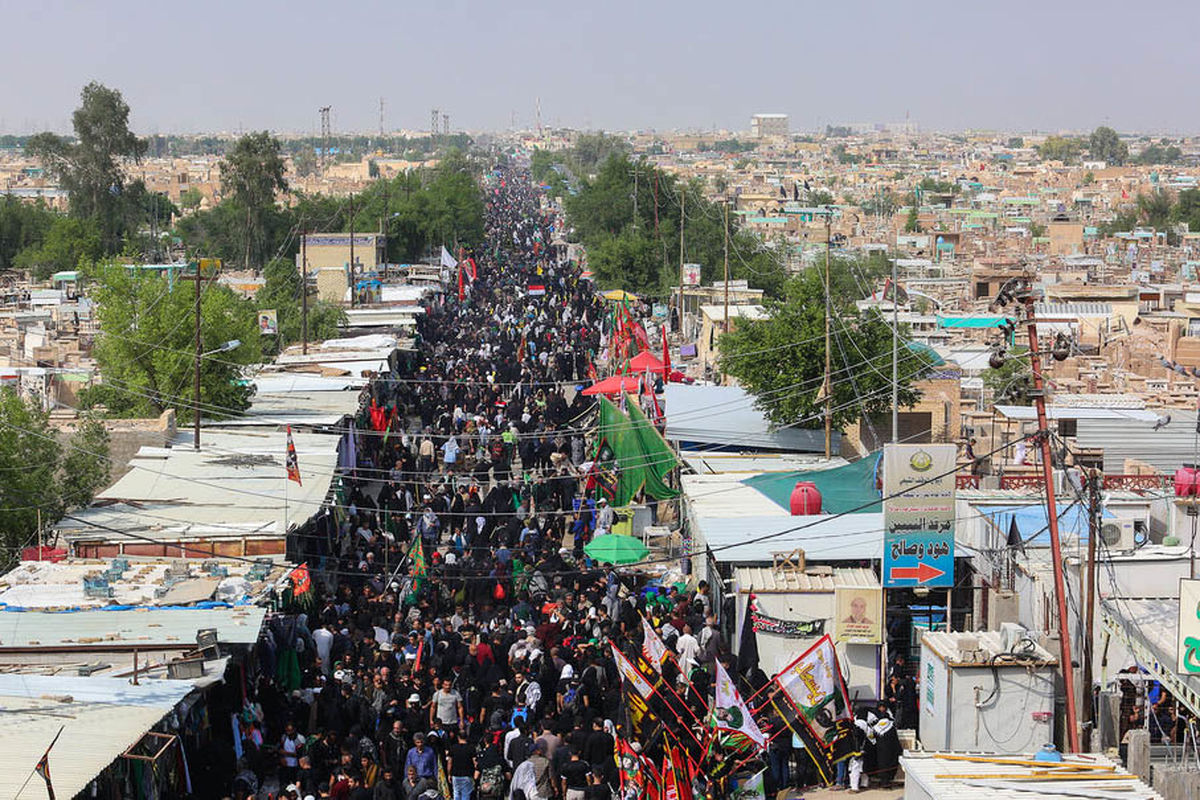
column 236, row 483
column 727, row 415
column 49, row 585
column 102, row 718
column 1165, row 449
column 706, row 463
column 724, row 495
column 1081, row 413
column 853, row 537
column 769, row 580
column 924, row 769
column 166, row 628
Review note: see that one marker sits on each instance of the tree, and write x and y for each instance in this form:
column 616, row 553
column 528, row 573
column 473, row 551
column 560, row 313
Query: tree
column 1015, row 143
column 252, row 174
column 38, row 474
column 146, row 350
column 92, row 166
column 191, row 198
column 628, row 260
column 69, row 242
column 781, row 359
column 1060, row 148
column 1105, row 145
column 22, row 225
column 603, row 209
column 912, row 224
column 281, row 292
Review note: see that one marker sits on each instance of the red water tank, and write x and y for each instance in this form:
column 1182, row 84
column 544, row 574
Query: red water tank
column 1185, row 482
column 806, row 499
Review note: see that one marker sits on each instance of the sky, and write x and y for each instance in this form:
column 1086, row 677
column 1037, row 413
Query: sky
column 1053, row 65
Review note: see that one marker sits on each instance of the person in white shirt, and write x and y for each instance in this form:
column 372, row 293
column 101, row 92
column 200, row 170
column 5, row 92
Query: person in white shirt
column 689, row 649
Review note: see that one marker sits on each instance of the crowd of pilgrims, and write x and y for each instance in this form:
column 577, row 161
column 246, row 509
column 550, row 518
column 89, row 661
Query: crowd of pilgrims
column 494, row 669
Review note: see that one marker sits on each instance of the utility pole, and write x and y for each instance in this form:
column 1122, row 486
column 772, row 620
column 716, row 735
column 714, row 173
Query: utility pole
column 304, row 292
column 324, row 110
column 682, row 201
column 196, row 370
column 353, row 288
column 1043, row 434
column 895, row 357
column 828, row 340
column 635, row 196
column 1094, row 512
column 727, row 265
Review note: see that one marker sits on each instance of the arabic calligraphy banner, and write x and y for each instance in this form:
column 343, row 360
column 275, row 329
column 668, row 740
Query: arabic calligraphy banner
column 791, row 628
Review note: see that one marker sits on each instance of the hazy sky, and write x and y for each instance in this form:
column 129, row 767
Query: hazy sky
column 615, row 64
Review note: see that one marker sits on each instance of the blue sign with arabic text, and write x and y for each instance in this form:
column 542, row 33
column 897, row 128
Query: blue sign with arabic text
column 918, row 558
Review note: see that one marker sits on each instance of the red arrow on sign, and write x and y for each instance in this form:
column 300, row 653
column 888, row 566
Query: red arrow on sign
column 922, row 573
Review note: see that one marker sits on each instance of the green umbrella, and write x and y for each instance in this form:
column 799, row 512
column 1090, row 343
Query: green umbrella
column 616, row 548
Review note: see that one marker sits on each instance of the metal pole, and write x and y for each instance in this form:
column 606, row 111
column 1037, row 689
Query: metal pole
column 682, row 201
column 196, row 387
column 1060, row 592
column 895, row 357
column 727, row 265
column 1089, row 711
column 304, row 292
column 352, row 281
column 828, row 351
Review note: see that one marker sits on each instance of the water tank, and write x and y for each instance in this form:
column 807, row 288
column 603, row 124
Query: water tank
column 1185, row 481
column 806, row 499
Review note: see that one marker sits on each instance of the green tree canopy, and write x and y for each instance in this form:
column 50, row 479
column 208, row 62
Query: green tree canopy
column 602, row 213
column 146, row 349
column 91, row 167
column 41, row 472
column 251, row 175
column 781, row 359
column 1105, row 145
column 1060, row 148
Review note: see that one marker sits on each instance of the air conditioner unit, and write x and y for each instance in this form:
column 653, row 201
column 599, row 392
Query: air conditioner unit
column 1117, row 534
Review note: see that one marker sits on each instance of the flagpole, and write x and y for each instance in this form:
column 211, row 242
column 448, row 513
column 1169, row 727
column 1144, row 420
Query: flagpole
column 49, row 785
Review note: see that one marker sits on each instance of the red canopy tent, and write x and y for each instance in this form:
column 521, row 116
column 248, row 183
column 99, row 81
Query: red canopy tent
column 646, row 360
column 614, row 385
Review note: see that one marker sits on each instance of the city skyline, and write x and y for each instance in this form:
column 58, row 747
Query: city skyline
column 633, row 67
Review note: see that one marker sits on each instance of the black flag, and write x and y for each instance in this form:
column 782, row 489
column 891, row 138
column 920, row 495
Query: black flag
column 1014, row 536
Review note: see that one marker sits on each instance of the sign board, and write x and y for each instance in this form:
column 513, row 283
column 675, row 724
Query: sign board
column 691, row 274
column 918, row 515
column 209, row 267
column 1187, row 649
column 268, row 322
column 858, row 614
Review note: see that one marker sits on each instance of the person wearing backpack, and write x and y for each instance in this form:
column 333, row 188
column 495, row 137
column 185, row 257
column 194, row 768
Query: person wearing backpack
column 571, row 698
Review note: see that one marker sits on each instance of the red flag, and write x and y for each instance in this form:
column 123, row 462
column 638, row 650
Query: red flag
column 474, row 268
column 292, row 464
column 420, row 652
column 460, row 282
column 301, row 580
column 666, row 359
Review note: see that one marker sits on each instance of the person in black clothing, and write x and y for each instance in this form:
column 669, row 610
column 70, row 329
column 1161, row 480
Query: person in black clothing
column 599, row 750
column 461, row 766
column 574, row 775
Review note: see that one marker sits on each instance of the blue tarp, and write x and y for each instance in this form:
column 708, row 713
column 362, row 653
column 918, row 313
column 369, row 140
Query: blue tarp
column 1031, row 521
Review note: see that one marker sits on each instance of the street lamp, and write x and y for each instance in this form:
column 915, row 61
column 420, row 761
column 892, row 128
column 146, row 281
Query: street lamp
column 232, row 344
